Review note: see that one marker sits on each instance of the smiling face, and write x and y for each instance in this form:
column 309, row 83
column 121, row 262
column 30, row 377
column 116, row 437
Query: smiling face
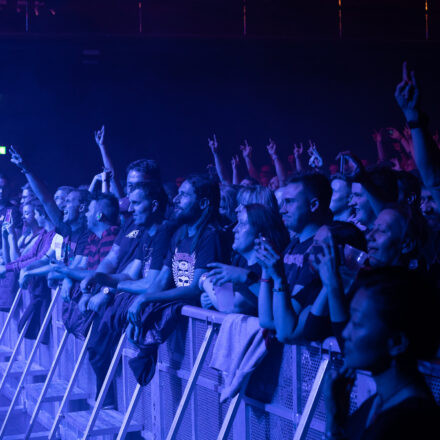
column 141, row 207
column 60, row 199
column 295, row 208
column 244, row 234
column 366, row 337
column 363, row 212
column 73, row 208
column 91, row 215
column 186, row 207
column 385, row 240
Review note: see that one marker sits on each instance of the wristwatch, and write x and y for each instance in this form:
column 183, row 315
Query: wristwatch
column 107, row 291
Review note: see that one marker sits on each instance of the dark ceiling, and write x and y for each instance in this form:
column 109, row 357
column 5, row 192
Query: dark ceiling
column 306, row 19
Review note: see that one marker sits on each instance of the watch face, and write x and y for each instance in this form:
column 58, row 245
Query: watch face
column 106, row 290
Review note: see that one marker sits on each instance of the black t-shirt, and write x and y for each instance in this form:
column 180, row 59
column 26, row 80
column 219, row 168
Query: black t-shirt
column 238, row 260
column 128, row 240
column 184, row 258
column 299, row 273
column 153, row 249
column 75, row 244
column 413, row 418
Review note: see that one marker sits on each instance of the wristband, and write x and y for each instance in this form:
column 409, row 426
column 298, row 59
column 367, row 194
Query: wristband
column 265, row 280
column 282, row 289
column 420, row 122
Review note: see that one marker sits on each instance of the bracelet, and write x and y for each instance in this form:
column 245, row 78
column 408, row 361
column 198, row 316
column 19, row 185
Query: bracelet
column 420, row 122
column 265, row 280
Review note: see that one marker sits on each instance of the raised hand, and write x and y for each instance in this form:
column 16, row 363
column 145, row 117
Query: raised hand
column 99, row 136
column 357, row 170
column 407, row 133
column 272, row 149
column 315, row 160
column 16, row 158
column 246, row 150
column 326, row 261
column 297, row 151
column 269, row 259
column 407, row 94
column 377, row 135
column 213, row 145
column 235, row 161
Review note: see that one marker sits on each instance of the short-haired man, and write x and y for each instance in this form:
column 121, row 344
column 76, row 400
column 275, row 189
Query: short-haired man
column 140, row 251
column 305, row 208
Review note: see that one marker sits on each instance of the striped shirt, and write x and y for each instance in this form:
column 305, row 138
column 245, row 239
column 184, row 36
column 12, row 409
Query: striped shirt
column 98, row 247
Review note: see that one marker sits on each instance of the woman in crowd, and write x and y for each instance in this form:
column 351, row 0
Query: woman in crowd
column 253, row 220
column 388, row 332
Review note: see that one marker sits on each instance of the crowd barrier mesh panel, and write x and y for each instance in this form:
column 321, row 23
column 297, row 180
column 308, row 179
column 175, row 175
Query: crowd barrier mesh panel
column 171, row 389
column 143, row 413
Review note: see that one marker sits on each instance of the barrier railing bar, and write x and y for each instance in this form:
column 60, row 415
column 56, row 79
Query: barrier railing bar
column 312, row 400
column 28, row 366
column 130, row 412
column 11, row 312
column 192, row 381
column 47, row 384
column 13, row 355
column 70, row 385
column 105, row 386
column 232, row 410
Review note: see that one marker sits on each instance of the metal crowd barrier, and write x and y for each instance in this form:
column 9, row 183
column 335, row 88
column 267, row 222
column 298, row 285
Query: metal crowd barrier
column 283, row 398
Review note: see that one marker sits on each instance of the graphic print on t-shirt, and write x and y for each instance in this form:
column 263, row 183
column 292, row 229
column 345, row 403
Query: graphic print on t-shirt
column 133, row 234
column 183, row 268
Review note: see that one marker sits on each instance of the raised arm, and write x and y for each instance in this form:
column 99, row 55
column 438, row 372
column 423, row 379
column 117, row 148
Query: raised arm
column 279, row 167
column 297, row 152
column 41, row 191
column 426, row 152
column 377, row 137
column 235, row 161
column 246, row 150
column 285, row 310
column 108, row 164
column 219, row 164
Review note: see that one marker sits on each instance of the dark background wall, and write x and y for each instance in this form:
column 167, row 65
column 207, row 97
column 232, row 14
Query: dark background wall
column 162, row 96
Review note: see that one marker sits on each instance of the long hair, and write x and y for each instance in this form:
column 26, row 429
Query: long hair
column 269, row 224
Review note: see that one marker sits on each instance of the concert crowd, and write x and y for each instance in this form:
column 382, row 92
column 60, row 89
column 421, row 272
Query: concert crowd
column 311, row 251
